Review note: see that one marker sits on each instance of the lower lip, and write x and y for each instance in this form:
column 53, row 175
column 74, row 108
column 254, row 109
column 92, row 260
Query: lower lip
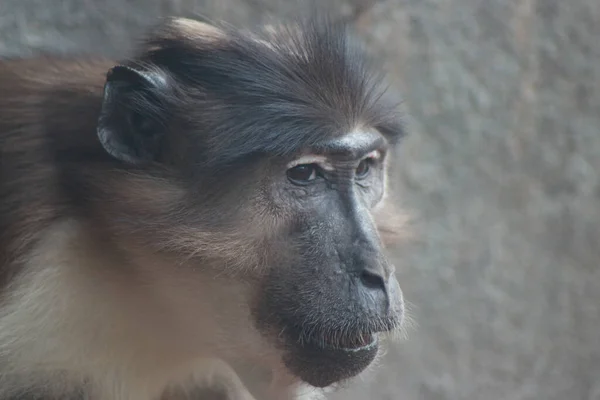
column 321, row 365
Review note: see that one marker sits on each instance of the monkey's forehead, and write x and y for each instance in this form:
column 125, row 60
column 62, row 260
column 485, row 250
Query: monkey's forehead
column 274, row 90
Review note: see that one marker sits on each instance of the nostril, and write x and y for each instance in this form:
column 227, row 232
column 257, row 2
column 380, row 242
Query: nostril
column 372, row 280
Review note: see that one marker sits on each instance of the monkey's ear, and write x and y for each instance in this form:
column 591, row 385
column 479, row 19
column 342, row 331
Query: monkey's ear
column 131, row 125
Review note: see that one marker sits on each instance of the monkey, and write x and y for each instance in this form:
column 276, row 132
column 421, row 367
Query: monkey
column 209, row 210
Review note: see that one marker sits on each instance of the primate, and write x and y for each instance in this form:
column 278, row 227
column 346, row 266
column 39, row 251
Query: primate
column 210, row 210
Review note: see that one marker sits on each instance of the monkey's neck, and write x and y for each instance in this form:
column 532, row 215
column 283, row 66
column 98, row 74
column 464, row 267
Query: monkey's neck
column 100, row 324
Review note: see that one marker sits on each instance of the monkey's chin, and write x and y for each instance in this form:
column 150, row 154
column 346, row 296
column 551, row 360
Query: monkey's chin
column 321, row 365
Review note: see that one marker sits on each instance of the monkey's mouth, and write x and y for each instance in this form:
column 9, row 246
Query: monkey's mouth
column 324, row 355
column 333, row 340
column 359, row 342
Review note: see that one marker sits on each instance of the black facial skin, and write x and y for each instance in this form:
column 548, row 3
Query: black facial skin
column 335, row 289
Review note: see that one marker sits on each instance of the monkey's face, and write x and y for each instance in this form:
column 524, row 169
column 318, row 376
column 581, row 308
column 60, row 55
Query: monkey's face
column 300, row 232
column 329, row 290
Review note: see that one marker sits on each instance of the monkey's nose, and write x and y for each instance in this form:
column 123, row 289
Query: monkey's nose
column 374, row 290
column 373, row 279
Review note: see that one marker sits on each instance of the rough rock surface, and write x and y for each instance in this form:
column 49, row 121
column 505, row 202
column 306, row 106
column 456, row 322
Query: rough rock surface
column 502, row 171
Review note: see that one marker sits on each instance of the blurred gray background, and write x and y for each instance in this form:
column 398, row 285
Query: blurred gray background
column 501, row 170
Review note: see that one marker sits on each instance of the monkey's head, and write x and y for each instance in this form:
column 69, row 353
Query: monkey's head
column 258, row 161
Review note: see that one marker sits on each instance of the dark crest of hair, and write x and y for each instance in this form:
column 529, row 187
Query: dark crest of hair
column 271, row 91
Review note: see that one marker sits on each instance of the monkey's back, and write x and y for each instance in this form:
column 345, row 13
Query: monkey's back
column 47, row 110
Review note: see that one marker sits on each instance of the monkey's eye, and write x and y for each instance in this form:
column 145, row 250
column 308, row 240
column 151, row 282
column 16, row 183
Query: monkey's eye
column 363, row 168
column 302, row 174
